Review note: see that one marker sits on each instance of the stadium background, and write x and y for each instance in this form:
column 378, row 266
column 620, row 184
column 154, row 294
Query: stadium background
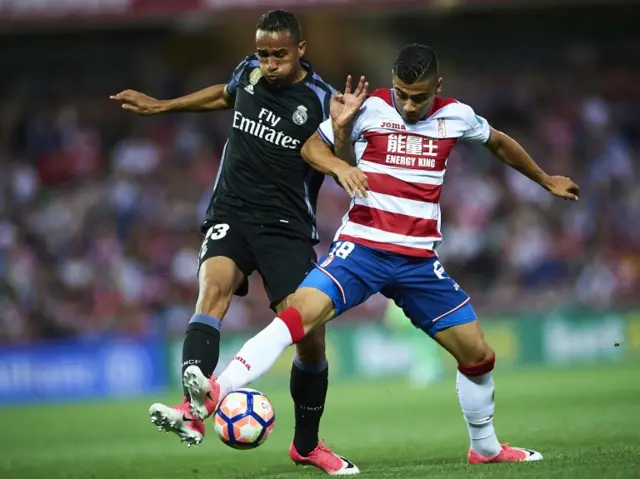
column 99, row 215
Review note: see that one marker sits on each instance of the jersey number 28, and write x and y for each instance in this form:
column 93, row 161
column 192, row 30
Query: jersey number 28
column 342, row 249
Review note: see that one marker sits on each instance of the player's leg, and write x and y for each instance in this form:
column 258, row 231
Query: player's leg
column 348, row 276
column 436, row 304
column 219, row 278
column 308, row 384
column 224, row 266
column 342, row 281
column 283, row 263
column 475, row 388
column 309, row 308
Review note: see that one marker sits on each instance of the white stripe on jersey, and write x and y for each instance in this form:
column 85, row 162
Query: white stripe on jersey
column 372, row 234
column 405, row 174
column 393, row 204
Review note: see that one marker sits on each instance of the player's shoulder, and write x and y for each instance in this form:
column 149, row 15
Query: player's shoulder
column 451, row 108
column 380, row 96
column 376, row 103
column 249, row 62
column 316, row 81
column 247, row 65
column 321, row 90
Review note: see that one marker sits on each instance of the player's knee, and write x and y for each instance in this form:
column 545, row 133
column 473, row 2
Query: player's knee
column 311, row 350
column 477, row 360
column 285, row 303
column 316, row 308
column 309, row 308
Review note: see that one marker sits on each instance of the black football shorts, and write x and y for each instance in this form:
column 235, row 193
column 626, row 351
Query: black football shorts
column 281, row 258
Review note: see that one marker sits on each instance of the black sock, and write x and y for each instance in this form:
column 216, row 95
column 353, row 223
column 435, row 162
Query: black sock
column 309, row 392
column 201, row 346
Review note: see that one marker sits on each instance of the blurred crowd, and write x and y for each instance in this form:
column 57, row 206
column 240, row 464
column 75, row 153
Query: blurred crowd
column 100, row 210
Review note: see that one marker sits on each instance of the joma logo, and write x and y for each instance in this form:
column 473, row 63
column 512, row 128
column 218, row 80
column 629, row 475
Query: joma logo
column 393, row 126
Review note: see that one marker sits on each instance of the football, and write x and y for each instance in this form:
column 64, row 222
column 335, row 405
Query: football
column 244, row 419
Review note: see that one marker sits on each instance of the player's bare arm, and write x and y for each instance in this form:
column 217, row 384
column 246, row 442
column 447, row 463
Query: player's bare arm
column 320, row 157
column 212, row 98
column 344, row 108
column 509, row 151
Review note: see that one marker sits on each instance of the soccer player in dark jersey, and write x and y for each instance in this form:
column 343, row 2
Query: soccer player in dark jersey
column 261, row 217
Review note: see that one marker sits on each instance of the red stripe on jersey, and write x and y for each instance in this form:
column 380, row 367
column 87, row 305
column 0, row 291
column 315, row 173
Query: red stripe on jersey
column 389, row 185
column 404, row 150
column 394, row 222
column 392, row 248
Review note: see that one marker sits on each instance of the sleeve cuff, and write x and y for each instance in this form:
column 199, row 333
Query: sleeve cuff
column 325, row 138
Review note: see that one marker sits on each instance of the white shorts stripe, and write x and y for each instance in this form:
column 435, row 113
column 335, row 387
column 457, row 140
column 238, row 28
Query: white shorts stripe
column 452, row 311
column 344, row 298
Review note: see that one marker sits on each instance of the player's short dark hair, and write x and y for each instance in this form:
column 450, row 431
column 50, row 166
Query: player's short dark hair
column 280, row 21
column 415, row 63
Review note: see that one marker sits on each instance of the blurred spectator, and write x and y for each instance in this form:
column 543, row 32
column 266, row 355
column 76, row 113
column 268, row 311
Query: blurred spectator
column 99, row 210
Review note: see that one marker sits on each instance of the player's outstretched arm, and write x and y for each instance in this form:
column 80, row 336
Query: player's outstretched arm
column 215, row 97
column 509, row 151
column 318, row 154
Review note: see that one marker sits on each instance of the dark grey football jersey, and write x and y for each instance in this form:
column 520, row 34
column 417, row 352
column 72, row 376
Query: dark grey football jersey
column 263, row 178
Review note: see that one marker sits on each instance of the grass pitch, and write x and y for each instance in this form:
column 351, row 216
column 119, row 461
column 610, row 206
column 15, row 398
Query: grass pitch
column 585, row 421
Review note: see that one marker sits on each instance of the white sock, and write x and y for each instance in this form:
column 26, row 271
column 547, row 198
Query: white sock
column 256, row 357
column 475, row 394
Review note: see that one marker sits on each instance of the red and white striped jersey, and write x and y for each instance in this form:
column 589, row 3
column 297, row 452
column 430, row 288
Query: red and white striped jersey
column 405, row 166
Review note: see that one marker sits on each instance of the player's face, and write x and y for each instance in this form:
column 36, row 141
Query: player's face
column 414, row 101
column 279, row 56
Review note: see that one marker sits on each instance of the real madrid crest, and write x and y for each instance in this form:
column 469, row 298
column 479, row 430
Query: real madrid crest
column 255, row 75
column 300, row 116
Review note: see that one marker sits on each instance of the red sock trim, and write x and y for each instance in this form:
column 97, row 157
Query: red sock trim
column 292, row 318
column 478, row 369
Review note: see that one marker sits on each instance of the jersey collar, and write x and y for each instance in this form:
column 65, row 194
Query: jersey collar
column 307, row 66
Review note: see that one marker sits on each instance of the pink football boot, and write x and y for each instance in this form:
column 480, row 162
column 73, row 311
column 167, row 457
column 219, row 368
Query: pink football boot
column 507, row 454
column 204, row 392
column 324, row 459
column 179, row 420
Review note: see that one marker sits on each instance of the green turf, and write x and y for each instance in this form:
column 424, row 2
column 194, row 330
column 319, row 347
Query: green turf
column 585, row 421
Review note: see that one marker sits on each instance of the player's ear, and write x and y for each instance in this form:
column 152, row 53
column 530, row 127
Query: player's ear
column 302, row 47
column 439, row 89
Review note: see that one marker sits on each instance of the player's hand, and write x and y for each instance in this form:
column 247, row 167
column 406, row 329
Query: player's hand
column 353, row 180
column 344, row 106
column 562, row 187
column 139, row 103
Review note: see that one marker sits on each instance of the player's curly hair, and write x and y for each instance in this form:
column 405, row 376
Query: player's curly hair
column 280, row 21
column 415, row 63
